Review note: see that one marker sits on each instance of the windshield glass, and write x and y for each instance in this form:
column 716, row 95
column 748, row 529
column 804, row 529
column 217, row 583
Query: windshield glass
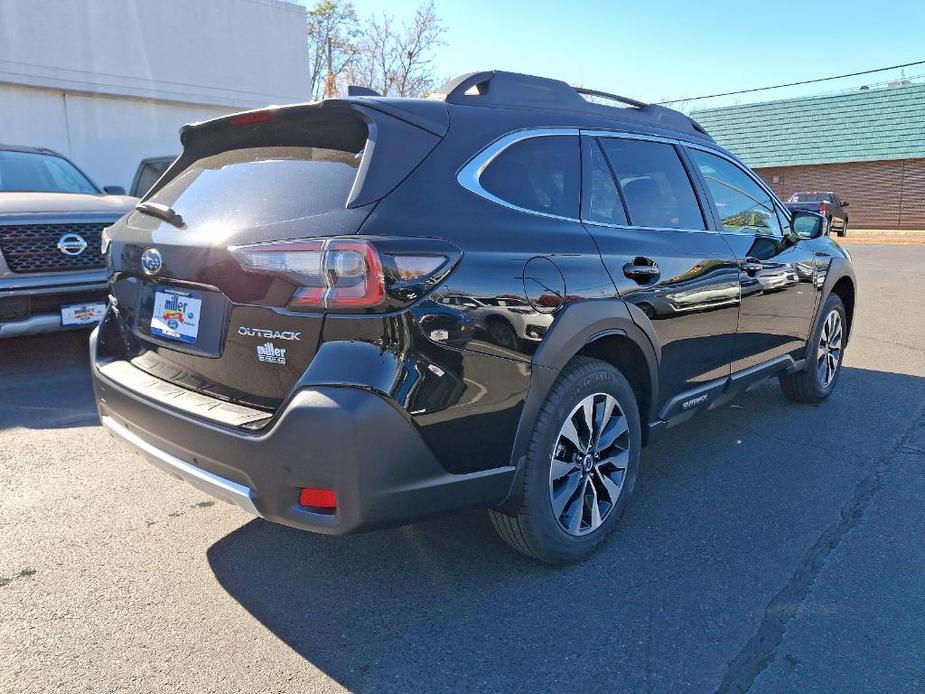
column 32, row 172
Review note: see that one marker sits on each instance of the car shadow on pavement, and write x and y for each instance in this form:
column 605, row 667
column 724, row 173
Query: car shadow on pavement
column 45, row 382
column 726, row 507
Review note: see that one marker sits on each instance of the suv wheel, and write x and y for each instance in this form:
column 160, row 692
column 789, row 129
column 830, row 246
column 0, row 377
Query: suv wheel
column 581, row 465
column 501, row 333
column 824, row 357
column 844, row 229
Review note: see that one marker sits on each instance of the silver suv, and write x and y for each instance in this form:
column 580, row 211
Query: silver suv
column 52, row 216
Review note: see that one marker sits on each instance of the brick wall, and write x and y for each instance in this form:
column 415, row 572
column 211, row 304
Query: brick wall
column 883, row 194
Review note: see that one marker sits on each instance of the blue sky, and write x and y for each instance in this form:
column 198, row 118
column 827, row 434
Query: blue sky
column 656, row 49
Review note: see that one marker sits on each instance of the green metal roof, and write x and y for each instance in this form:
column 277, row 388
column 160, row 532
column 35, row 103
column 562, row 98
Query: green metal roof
column 868, row 125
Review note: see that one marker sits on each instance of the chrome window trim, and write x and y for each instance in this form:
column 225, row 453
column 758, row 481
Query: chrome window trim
column 630, row 227
column 631, row 136
column 470, row 174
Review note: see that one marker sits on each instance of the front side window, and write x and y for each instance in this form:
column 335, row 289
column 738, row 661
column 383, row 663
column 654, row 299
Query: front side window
column 542, row 174
column 655, row 185
column 34, row 172
column 743, row 205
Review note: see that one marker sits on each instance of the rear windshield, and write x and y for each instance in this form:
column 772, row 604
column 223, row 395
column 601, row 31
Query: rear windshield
column 250, row 187
column 810, row 197
column 33, row 172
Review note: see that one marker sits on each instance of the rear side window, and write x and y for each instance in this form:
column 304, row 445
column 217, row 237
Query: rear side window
column 656, row 186
column 742, row 204
column 542, row 174
column 261, row 185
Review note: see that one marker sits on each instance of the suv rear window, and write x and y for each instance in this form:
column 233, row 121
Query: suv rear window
column 542, row 174
column 261, row 185
column 811, row 197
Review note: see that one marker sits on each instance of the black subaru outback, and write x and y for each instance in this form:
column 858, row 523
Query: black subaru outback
column 362, row 312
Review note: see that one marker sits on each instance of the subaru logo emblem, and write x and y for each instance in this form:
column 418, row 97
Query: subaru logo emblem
column 72, row 244
column 151, row 261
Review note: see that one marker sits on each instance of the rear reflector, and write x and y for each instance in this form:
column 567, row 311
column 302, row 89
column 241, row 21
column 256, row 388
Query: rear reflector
column 318, row 498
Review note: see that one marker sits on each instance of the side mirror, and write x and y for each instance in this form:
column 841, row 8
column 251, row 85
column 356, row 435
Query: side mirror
column 844, row 204
column 807, row 225
column 114, row 190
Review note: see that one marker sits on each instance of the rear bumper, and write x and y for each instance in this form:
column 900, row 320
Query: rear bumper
column 211, row 484
column 352, row 441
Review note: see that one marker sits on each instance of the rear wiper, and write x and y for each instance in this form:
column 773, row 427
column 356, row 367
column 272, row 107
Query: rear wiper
column 168, row 214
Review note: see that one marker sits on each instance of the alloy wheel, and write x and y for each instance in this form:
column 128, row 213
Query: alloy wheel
column 589, row 462
column 828, row 355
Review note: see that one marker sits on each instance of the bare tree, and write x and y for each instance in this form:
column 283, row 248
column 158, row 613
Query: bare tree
column 415, row 74
column 333, row 30
column 397, row 60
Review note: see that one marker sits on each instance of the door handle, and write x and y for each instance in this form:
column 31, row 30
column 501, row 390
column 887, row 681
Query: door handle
column 641, row 269
column 751, row 265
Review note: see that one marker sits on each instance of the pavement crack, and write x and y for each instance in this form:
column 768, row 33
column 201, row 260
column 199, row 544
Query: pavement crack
column 761, row 649
column 25, row 573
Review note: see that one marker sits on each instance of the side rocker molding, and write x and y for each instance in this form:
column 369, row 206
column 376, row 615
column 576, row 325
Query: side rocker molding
column 576, row 326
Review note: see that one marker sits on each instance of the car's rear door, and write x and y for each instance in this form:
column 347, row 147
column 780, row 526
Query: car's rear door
column 640, row 206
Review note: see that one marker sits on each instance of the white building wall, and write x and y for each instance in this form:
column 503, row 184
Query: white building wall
column 109, row 82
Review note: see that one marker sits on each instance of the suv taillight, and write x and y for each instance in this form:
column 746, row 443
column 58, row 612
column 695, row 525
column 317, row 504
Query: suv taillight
column 337, row 273
column 824, row 208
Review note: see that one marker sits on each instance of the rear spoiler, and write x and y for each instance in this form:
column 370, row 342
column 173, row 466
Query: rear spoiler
column 393, row 137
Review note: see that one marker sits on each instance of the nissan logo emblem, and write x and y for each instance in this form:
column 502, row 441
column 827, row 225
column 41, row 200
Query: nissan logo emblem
column 72, row 244
column 151, row 261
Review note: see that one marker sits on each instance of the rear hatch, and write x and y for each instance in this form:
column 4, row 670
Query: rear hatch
column 189, row 311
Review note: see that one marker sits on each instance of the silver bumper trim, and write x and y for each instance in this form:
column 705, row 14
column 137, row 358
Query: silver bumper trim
column 219, row 487
column 43, row 323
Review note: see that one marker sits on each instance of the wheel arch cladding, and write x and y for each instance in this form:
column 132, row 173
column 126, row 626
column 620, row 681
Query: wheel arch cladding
column 602, row 329
column 845, row 289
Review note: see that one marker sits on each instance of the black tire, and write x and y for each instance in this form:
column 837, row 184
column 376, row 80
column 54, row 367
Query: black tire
column 535, row 529
column 808, row 385
column 502, row 333
column 843, row 232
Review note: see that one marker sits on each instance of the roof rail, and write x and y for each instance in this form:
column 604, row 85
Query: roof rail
column 613, row 97
column 499, row 88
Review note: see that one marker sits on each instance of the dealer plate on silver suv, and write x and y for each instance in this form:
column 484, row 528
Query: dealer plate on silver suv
column 82, row 314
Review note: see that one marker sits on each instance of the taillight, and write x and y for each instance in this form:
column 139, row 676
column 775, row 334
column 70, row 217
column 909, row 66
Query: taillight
column 824, row 208
column 341, row 273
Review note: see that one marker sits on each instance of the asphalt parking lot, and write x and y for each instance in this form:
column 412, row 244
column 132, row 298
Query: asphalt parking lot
column 770, row 547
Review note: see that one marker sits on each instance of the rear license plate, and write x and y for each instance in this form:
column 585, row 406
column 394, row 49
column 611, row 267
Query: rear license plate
column 82, row 314
column 176, row 314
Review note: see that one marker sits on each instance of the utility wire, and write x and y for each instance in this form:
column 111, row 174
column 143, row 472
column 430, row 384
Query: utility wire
column 793, row 84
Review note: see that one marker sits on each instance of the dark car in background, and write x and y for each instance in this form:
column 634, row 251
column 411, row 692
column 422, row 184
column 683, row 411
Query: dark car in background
column 52, row 217
column 827, row 204
column 149, row 170
column 302, row 306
